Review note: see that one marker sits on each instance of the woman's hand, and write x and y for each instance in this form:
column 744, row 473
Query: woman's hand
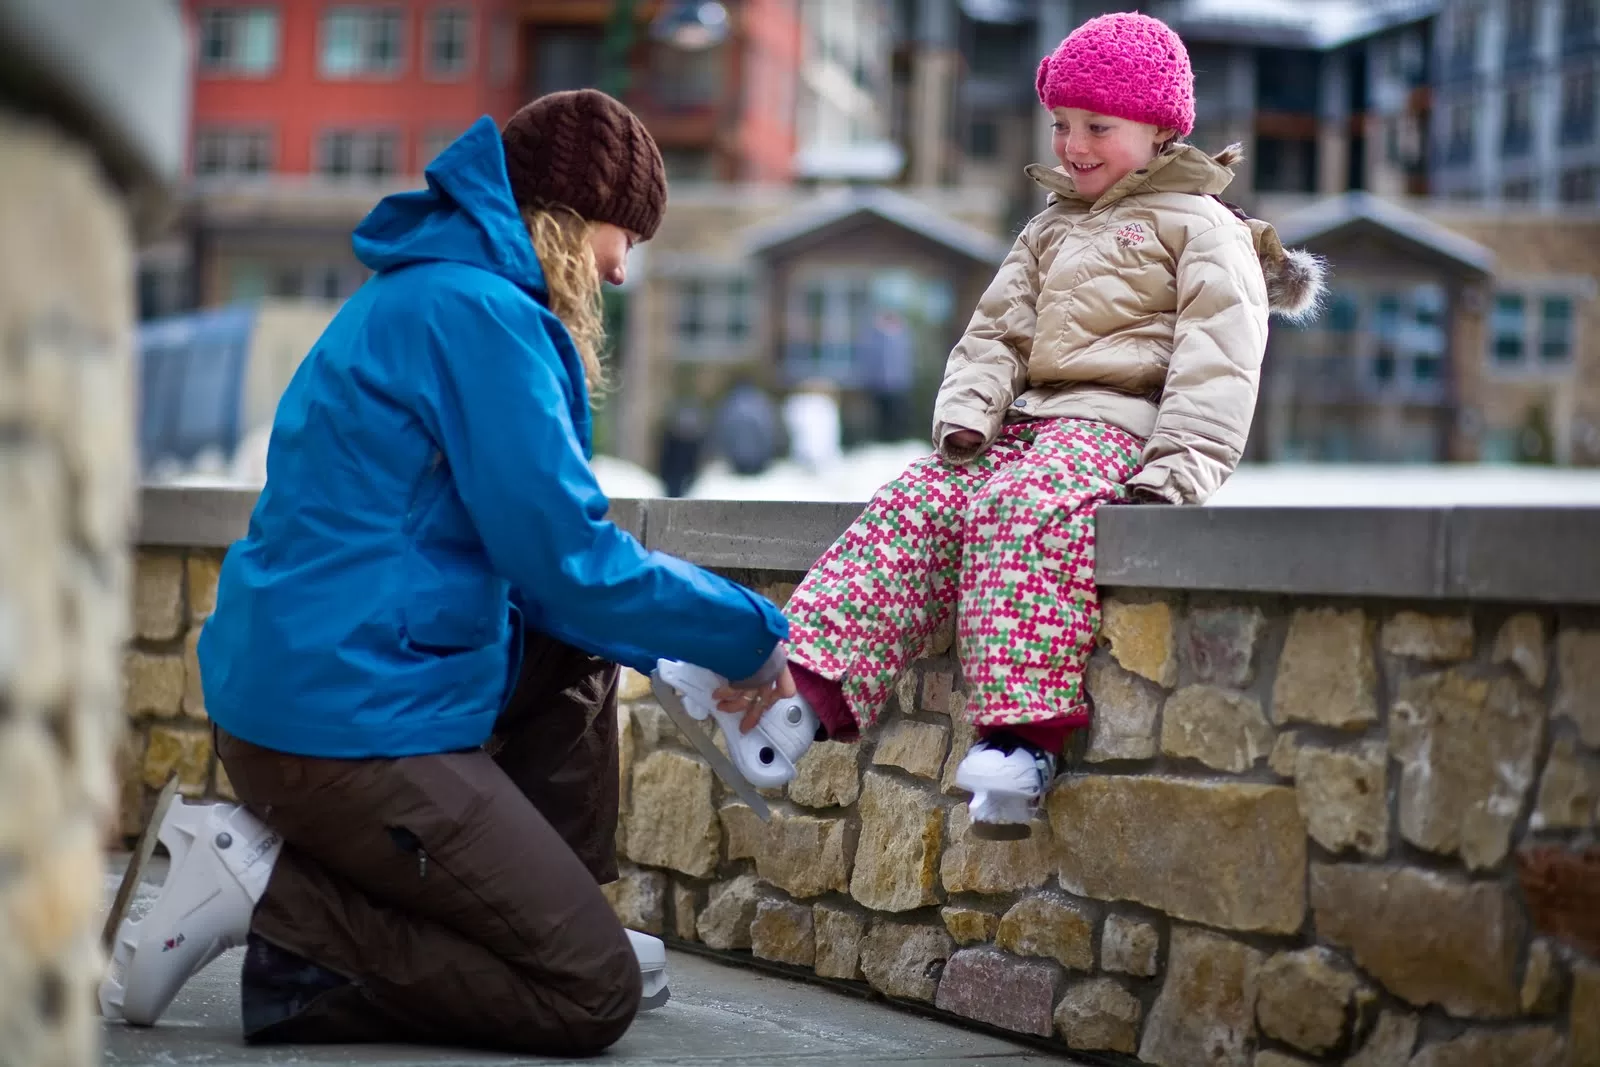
column 753, row 703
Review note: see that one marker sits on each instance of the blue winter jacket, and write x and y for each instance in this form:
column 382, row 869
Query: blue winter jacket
column 429, row 494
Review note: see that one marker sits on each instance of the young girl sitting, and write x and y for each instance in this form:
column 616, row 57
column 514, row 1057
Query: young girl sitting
column 1115, row 357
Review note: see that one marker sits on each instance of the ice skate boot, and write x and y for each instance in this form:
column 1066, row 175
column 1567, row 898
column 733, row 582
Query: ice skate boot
column 764, row 758
column 222, row 857
column 1007, row 778
column 652, row 956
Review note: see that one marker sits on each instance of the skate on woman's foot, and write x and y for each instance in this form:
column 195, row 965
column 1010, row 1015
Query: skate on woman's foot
column 652, row 955
column 1007, row 778
column 222, row 857
column 767, row 755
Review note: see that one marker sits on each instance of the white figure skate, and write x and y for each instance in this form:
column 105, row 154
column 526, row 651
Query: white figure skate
column 222, row 857
column 652, row 955
column 764, row 758
column 1007, row 781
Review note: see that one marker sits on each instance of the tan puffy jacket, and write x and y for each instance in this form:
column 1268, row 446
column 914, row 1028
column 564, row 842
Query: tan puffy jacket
column 1146, row 309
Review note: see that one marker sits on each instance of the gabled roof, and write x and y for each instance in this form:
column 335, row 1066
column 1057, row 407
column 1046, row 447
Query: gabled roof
column 1357, row 209
column 846, row 208
column 1313, row 24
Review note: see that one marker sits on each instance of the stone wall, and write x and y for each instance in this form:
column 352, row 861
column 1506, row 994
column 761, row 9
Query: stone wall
column 1305, row 828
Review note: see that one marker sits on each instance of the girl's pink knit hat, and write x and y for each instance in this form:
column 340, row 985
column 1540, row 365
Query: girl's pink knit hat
column 1126, row 65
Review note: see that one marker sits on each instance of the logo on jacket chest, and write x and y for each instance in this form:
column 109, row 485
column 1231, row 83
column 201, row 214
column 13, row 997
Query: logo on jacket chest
column 1131, row 235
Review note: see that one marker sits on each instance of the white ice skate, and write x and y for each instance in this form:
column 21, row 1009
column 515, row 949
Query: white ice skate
column 764, row 758
column 652, row 956
column 222, row 857
column 1007, row 779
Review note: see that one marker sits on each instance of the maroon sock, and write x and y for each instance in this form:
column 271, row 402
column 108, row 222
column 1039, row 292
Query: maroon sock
column 1049, row 736
column 827, row 700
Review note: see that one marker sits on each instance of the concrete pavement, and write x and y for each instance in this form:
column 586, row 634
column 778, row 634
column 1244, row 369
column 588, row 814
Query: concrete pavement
column 719, row 1015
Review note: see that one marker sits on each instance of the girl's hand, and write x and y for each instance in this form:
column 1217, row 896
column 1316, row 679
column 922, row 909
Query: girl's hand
column 753, row 703
column 963, row 440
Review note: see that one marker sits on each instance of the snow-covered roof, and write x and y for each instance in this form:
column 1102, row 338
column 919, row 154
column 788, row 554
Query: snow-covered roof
column 834, row 208
column 1318, row 24
column 1337, row 212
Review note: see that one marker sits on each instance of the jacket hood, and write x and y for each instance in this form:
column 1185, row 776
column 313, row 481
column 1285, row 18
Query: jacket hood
column 1296, row 279
column 465, row 215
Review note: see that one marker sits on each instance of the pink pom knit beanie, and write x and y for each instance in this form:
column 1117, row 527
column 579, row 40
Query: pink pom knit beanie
column 1126, row 65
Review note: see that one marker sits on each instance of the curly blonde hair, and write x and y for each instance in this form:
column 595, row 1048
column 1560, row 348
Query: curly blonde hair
column 561, row 240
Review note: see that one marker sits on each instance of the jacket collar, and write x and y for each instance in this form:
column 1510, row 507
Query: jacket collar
column 1182, row 168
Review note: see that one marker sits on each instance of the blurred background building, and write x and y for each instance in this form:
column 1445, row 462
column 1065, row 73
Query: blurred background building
column 846, row 175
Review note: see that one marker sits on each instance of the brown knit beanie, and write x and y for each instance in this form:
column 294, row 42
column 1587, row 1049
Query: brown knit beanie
column 585, row 150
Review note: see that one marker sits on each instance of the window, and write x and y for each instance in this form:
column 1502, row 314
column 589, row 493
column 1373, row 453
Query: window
column 358, row 41
column 1286, row 166
column 1288, row 80
column 1577, row 108
column 1555, row 329
column 1507, row 328
column 714, row 317
column 983, row 139
column 565, row 59
column 1517, row 134
column 449, row 47
column 1463, row 132
column 1579, row 20
column 1520, row 191
column 1533, row 330
column 1520, row 19
column 686, row 81
column 238, row 40
column 232, row 152
column 1462, row 58
column 358, row 154
column 435, row 141
column 1580, row 185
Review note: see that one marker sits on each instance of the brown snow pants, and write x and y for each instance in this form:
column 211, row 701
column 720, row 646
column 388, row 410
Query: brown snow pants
column 459, row 893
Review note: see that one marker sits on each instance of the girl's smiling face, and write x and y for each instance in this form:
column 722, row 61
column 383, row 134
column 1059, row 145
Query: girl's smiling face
column 1099, row 151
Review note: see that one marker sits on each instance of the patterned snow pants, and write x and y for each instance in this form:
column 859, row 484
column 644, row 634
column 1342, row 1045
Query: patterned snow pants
column 1007, row 542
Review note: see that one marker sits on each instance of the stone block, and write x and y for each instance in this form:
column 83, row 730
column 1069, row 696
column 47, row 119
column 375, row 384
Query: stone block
column 970, row 926
column 1543, row 980
column 1285, row 751
column 1140, row 636
column 652, row 726
column 194, row 695
column 632, row 686
column 839, row 934
column 1229, row 854
column 1205, row 1012
column 1523, row 1046
column 1327, row 674
column 905, row 959
column 671, row 821
column 1098, row 1014
column 1389, row 1044
column 640, row 899
column 1578, row 682
column 905, row 689
column 962, row 738
column 184, row 752
column 1274, row 1058
column 804, row 855
column 742, row 831
column 1521, row 643
column 201, row 572
column 130, row 783
column 937, row 688
column 1584, row 1029
column 1049, row 926
column 627, row 752
column 897, row 860
column 1305, row 999
column 729, row 911
column 828, row 775
column 158, row 595
column 1125, row 711
column 1569, row 789
column 784, row 932
column 1344, row 796
column 1429, row 938
column 1467, row 748
column 1431, row 638
column 918, row 748
column 993, row 988
column 153, row 684
column 687, row 902
column 1218, row 645
column 1226, row 731
column 973, row 864
column 1562, row 890
column 1129, row 946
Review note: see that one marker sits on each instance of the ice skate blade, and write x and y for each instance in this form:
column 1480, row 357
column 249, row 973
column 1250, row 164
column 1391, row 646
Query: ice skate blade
column 688, row 726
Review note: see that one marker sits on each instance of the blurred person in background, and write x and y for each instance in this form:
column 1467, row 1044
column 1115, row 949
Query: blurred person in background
column 887, row 361
column 747, row 428
column 411, row 668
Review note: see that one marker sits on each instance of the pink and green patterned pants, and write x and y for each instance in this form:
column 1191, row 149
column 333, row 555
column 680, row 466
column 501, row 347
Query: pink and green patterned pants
column 1006, row 542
